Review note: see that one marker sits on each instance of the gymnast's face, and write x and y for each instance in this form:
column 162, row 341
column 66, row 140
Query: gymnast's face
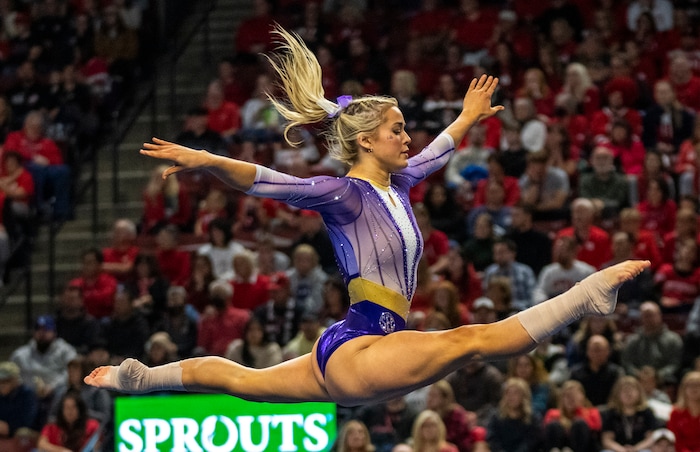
column 389, row 144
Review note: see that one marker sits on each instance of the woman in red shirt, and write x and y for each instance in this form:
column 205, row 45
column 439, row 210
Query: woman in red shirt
column 72, row 429
column 575, row 424
column 685, row 416
column 658, row 209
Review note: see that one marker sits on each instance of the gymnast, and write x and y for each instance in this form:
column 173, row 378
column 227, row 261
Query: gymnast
column 369, row 356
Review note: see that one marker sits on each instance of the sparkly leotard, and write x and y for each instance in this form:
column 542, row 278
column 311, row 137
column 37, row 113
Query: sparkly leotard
column 375, row 238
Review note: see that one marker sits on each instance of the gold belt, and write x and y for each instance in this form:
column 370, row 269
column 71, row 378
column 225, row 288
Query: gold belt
column 361, row 289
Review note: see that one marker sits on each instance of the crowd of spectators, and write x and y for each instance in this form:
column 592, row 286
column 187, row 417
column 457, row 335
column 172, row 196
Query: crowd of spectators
column 594, row 161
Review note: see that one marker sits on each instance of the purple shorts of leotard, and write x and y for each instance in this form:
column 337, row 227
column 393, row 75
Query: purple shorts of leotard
column 364, row 318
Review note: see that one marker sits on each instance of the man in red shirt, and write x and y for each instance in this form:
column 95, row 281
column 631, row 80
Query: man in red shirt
column 226, row 324
column 43, row 159
column 119, row 258
column 595, row 247
column 223, row 117
column 685, row 84
column 99, row 287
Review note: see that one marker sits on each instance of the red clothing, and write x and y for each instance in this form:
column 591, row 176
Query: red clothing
column 686, row 427
column 250, row 295
column 646, row 248
column 631, row 157
column 689, row 93
column 595, row 251
column 226, row 117
column 215, row 333
column 253, row 32
column 602, row 120
column 155, row 212
column 661, row 220
column 510, row 185
column 17, row 141
column 54, row 434
column 591, row 416
column 175, row 265
column 682, row 287
column 458, row 431
column 98, row 295
column 472, row 32
column 429, row 23
column 435, row 245
column 115, row 256
column 668, row 251
column 25, row 181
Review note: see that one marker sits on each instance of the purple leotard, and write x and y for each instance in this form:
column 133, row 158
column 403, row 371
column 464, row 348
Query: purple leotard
column 372, row 239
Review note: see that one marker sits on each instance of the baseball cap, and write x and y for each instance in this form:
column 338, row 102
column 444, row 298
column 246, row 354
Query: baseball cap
column 8, row 370
column 663, row 433
column 278, row 280
column 45, row 322
column 483, row 302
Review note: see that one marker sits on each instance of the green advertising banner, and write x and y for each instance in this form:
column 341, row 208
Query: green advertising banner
column 220, row 423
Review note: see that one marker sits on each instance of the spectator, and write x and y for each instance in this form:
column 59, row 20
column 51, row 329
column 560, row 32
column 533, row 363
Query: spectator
column 494, row 205
column 476, row 153
column 686, row 165
column 73, row 323
column 44, row 359
column 174, row 263
column 444, row 212
column 594, row 242
column 223, row 117
column 530, row 369
column 119, row 257
column 653, row 169
column 663, row 440
column 661, row 11
column 354, row 437
column 574, row 424
column 253, row 35
column 445, row 300
column 6, row 119
column 626, row 147
column 213, row 206
column 165, row 202
column 177, row 323
column 72, row 429
column 605, row 183
column 460, row 425
column 496, row 170
column 118, row 46
column 684, row 421
column 442, row 107
column 253, row 349
column 281, row 315
column 628, row 422
column 306, row 279
column 534, row 246
column 621, row 94
column 477, row 387
column 249, row 286
column 515, row 427
column 678, row 283
column 72, row 111
column 18, row 402
column 544, row 187
column 562, row 274
column 404, row 87
column 126, row 330
column 686, row 228
column 580, row 87
column 645, row 245
column 196, row 133
column 521, row 276
column 159, row 350
column 653, row 345
column 27, row 94
column 388, row 422
column 533, row 131
column 336, row 301
column 130, row 12
column 684, row 83
column 97, row 400
column 269, row 259
column 577, row 345
column 198, row 285
column 484, row 309
column 462, row 273
column 313, row 232
column 16, row 186
column 310, row 330
column 221, row 247
column 429, row 433
column 667, row 123
column 512, row 157
column 44, row 161
column 561, row 152
column 631, row 293
column 147, row 287
column 216, row 331
column 597, row 374
column 261, row 124
column 535, row 88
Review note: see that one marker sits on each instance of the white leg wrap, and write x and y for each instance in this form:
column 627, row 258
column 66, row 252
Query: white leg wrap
column 135, row 377
column 593, row 295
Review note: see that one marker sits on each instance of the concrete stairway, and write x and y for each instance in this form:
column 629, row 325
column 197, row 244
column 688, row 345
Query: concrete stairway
column 192, row 73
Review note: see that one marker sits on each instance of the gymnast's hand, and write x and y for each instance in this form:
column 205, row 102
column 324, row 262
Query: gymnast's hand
column 477, row 100
column 182, row 156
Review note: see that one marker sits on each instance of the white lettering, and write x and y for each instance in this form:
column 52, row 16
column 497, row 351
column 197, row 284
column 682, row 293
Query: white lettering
column 128, row 433
column 156, row 431
column 318, row 437
column 208, row 429
column 185, row 432
column 288, row 421
column 245, row 425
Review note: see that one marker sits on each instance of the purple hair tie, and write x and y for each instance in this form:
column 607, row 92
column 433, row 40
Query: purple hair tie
column 343, row 102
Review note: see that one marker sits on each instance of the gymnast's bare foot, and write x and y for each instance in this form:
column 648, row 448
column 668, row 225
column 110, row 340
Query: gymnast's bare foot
column 602, row 286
